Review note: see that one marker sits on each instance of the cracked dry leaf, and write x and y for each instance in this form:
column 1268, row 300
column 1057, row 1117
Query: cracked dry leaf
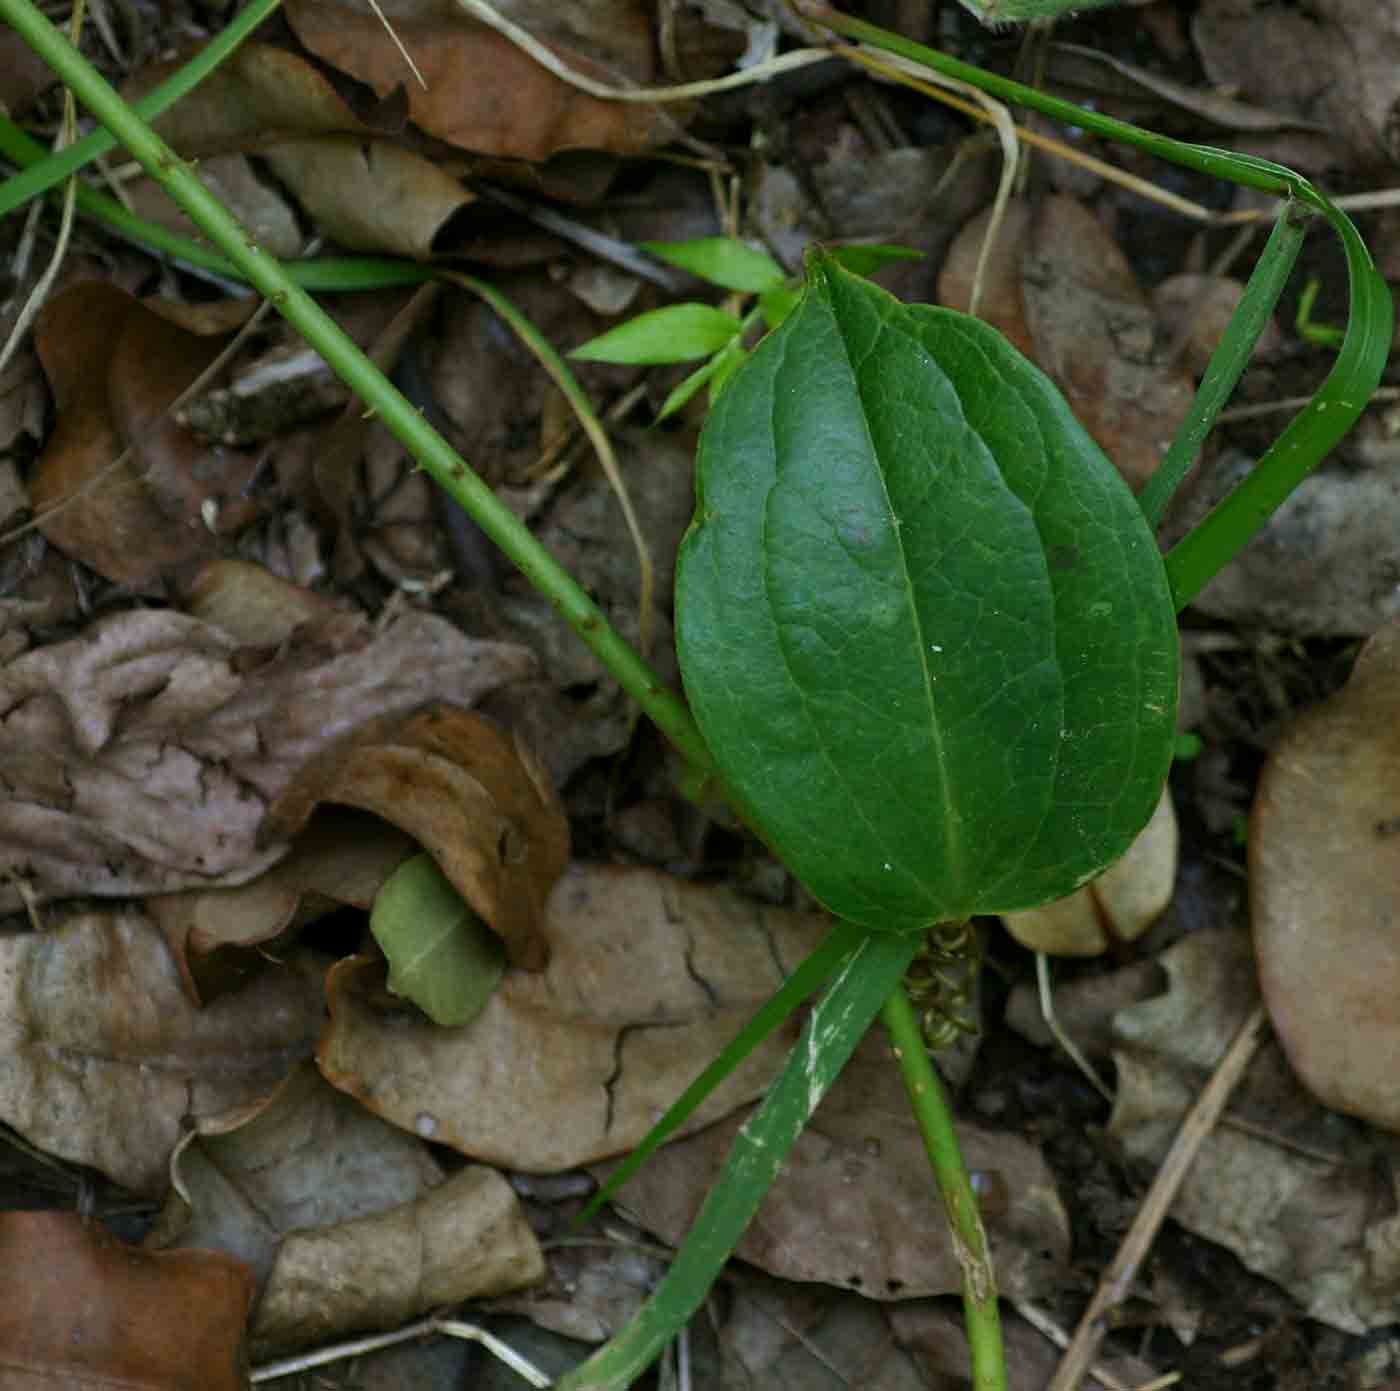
column 141, row 756
column 135, row 523
column 316, row 1195
column 482, row 93
column 1303, row 1197
column 105, row 1060
column 80, row 1308
column 648, row 978
column 852, row 1205
column 469, row 793
column 1324, row 880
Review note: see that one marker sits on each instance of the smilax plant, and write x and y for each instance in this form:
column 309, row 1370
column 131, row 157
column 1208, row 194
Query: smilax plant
column 927, row 637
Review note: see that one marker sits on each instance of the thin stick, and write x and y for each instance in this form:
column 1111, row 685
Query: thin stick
column 1117, row 1279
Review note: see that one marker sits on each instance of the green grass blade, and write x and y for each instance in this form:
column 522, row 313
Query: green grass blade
column 50, row 169
column 1317, row 428
column 1228, row 361
column 872, row 971
column 811, row 974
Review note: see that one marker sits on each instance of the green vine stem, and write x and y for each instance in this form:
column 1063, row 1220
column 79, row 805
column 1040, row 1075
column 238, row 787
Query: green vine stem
column 979, row 1290
column 266, row 275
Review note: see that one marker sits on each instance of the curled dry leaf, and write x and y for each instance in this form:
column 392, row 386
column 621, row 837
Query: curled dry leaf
column 341, row 859
column 466, row 1239
column 1301, row 1196
column 468, row 793
column 133, row 523
column 80, row 1308
column 1119, row 906
column 1324, row 871
column 327, row 1204
column 482, row 93
column 106, row 1060
column 648, row 978
column 141, row 757
column 851, row 1206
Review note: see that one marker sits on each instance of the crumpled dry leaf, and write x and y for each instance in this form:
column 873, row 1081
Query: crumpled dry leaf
column 105, row 1059
column 79, row 1308
column 151, row 514
column 468, row 793
column 140, row 757
column 852, row 1205
column 466, row 1239
column 1324, row 873
column 482, row 93
column 313, row 1192
column 1119, row 906
column 1067, row 297
column 648, row 978
column 1323, row 1228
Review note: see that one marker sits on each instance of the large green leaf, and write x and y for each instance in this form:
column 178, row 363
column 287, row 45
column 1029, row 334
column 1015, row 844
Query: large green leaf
column 922, row 623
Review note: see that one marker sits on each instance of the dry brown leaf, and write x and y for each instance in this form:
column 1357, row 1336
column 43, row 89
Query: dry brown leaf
column 853, row 1205
column 79, row 1308
column 106, row 1060
column 1337, row 63
column 482, row 93
column 1324, row 872
column 370, row 195
column 466, row 1239
column 1119, row 906
column 148, row 516
column 255, row 606
column 1083, row 319
column 140, row 757
column 341, row 859
column 648, row 978
column 1200, row 307
column 349, row 1222
column 1303, row 1197
column 468, row 793
column 303, row 1156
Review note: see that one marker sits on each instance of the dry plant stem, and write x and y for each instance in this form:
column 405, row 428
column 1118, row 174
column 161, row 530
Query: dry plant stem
column 1200, row 1120
column 1048, row 1328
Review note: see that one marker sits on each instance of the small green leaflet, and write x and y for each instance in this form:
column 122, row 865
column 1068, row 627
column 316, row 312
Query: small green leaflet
column 678, row 333
column 722, row 261
column 440, row 953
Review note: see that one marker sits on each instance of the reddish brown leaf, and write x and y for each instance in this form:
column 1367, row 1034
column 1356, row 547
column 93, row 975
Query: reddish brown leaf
column 79, row 1308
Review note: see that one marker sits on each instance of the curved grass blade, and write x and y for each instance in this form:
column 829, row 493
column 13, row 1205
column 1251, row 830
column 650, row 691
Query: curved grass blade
column 872, row 970
column 1338, row 402
column 811, row 974
column 1231, row 357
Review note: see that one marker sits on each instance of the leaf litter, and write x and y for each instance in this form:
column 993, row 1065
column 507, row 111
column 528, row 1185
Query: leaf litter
column 183, row 654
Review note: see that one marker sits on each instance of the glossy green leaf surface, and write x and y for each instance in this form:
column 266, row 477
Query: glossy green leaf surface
column 922, row 623
column 440, row 953
column 678, row 333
